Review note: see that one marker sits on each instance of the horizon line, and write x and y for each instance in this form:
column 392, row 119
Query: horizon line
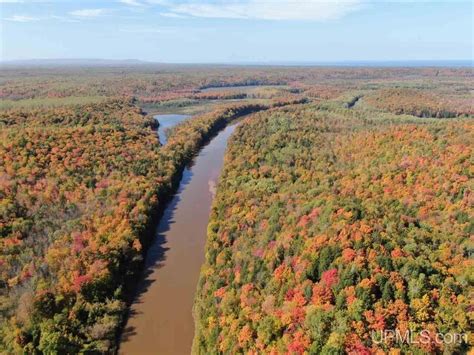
column 344, row 62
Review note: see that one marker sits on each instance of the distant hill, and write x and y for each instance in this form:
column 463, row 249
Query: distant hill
column 71, row 62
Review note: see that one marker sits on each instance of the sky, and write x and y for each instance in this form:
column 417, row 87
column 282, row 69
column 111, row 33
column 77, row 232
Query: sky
column 237, row 31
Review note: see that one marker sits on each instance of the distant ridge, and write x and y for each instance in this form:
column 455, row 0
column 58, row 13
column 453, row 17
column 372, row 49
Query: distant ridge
column 72, row 62
column 93, row 62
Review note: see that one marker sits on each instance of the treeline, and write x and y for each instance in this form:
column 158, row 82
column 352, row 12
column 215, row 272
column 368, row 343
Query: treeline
column 187, row 98
column 421, row 103
column 323, row 92
column 78, row 188
column 118, row 112
column 151, row 83
column 329, row 228
column 219, row 95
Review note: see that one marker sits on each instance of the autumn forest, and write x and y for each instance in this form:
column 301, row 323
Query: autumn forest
column 343, row 209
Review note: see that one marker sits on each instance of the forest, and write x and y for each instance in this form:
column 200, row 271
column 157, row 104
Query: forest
column 328, row 226
column 344, row 206
column 79, row 188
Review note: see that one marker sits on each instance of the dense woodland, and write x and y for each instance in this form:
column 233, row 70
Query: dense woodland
column 339, row 210
column 328, row 226
column 422, row 104
column 79, row 187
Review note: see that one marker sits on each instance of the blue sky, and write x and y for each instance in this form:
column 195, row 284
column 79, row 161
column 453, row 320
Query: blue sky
column 237, row 30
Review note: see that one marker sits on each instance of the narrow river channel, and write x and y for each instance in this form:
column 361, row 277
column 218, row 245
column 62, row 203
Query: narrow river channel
column 166, row 122
column 161, row 319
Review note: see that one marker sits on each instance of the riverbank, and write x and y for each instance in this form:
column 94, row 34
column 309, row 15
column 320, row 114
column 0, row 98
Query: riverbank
column 184, row 141
column 174, row 260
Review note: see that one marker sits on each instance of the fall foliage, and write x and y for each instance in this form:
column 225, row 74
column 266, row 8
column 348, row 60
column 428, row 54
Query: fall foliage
column 345, row 205
column 79, row 186
column 328, row 226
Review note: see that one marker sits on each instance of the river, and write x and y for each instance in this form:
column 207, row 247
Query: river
column 161, row 319
column 241, row 88
column 166, row 122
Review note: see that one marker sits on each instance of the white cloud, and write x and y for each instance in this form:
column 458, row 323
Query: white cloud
column 172, row 15
column 159, row 2
column 131, row 3
column 64, row 19
column 88, row 12
column 162, row 29
column 314, row 10
column 22, row 18
column 25, row 18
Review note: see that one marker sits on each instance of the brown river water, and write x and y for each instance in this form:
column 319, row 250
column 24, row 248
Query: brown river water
column 161, row 319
